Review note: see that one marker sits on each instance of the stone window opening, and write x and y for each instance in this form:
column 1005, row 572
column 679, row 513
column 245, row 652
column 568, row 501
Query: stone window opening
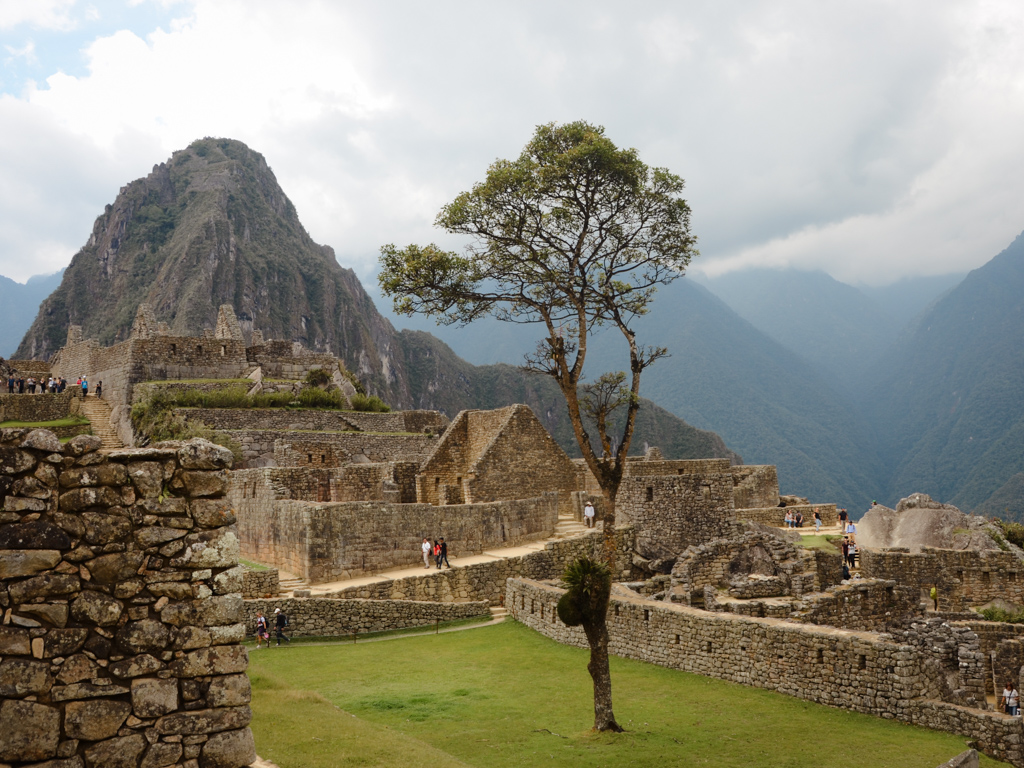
column 616, row 610
column 650, row 493
column 707, row 492
column 310, row 457
column 174, row 349
column 647, row 615
column 960, row 576
column 707, row 647
column 223, row 349
column 533, row 607
column 199, row 349
column 1011, row 576
column 862, row 662
column 675, row 639
column 820, row 656
column 985, row 577
column 323, row 458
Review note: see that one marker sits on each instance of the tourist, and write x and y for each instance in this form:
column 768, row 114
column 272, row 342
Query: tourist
column 817, row 521
column 21, row 385
column 846, row 572
column 589, row 514
column 31, row 385
column 1004, row 701
column 851, row 531
column 852, row 554
column 426, row 552
column 10, row 384
column 442, row 556
column 842, row 519
column 63, row 385
column 85, row 387
column 798, row 521
column 280, row 622
column 437, row 554
column 846, row 550
column 1013, row 703
column 789, row 519
column 261, row 630
column 99, row 390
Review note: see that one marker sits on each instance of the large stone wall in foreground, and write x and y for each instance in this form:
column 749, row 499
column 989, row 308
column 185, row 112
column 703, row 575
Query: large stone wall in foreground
column 903, row 676
column 119, row 580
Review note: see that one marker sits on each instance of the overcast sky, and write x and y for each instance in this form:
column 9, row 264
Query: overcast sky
column 873, row 140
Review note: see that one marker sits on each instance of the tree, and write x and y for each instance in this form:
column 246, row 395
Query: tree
column 576, row 234
column 588, row 585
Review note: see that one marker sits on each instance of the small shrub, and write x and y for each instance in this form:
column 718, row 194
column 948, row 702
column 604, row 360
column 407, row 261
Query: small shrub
column 1014, row 532
column 998, row 614
column 317, row 377
column 313, row 397
column 369, row 403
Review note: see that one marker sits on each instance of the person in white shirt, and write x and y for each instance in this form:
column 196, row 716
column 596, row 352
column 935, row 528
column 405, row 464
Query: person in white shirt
column 426, row 552
column 589, row 515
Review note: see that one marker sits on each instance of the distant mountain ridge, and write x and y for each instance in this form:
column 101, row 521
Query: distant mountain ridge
column 19, row 305
column 212, row 226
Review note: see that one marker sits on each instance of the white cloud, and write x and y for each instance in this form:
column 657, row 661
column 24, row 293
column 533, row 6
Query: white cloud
column 26, row 52
column 872, row 140
column 41, row 14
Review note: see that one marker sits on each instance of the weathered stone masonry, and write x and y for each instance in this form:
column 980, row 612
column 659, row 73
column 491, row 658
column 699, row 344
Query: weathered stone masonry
column 120, row 642
column 883, row 675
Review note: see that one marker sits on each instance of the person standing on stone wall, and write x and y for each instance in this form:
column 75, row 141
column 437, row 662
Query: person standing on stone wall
column 31, row 385
column 589, row 514
column 10, row 384
column 426, row 552
column 21, row 385
column 817, row 521
column 443, row 555
column 1013, row 703
column 85, row 386
column 280, row 622
column 1004, row 700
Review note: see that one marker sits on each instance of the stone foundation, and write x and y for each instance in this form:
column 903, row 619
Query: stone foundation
column 121, row 638
column 258, row 584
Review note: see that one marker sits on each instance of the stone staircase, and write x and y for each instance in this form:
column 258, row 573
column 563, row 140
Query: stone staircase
column 285, row 586
column 498, row 612
column 98, row 413
column 567, row 527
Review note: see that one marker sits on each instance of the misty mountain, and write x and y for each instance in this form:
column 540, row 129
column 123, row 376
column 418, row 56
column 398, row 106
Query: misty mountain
column 949, row 397
column 19, row 305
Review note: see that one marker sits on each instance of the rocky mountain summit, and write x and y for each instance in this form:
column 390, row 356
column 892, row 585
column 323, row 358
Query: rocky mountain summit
column 212, row 226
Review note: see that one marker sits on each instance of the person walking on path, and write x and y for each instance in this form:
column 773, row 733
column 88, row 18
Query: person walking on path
column 426, row 552
column 85, row 387
column 437, row 554
column 280, row 622
column 817, row 521
column 851, row 531
column 442, row 556
column 261, row 630
column 842, row 519
column 589, row 514
column 99, row 390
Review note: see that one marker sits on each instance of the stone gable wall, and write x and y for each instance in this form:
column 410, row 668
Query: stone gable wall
column 33, row 368
column 673, row 512
column 35, row 408
column 639, row 467
column 486, row 581
column 120, row 582
column 331, row 541
column 319, row 617
column 963, row 578
column 755, row 485
column 860, row 671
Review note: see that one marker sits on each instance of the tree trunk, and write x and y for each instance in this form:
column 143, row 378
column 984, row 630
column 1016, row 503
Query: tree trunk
column 608, row 541
column 597, row 637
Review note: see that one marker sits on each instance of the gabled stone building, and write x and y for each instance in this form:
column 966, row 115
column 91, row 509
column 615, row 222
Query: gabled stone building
column 496, row 455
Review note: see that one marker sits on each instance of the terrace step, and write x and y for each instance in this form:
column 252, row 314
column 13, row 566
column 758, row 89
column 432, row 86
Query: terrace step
column 97, row 412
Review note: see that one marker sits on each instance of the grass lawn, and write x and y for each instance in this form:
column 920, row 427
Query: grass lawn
column 69, row 421
column 820, row 542
column 507, row 696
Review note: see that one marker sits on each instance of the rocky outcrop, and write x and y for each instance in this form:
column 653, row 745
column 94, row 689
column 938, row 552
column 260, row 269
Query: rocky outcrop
column 919, row 521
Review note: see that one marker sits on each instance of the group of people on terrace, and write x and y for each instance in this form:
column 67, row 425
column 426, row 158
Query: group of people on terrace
column 52, row 385
column 438, row 550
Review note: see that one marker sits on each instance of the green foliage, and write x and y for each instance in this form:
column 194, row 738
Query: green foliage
column 313, row 397
column 998, row 614
column 1014, row 532
column 371, row 404
column 317, row 377
column 569, row 611
column 164, row 423
column 588, row 585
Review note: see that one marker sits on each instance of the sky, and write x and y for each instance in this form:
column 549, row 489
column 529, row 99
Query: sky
column 872, row 140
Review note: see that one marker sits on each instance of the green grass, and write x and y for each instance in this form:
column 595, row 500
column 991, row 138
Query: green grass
column 68, row 421
column 200, row 381
column 819, row 542
column 507, row 696
column 253, row 566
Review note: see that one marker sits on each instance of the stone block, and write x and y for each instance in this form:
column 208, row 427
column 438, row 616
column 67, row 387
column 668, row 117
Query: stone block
column 63, row 642
column 205, row 484
column 35, row 534
column 14, row 462
column 42, row 440
column 123, row 752
column 115, row 567
column 104, row 529
column 54, row 614
column 46, row 585
column 82, row 444
column 79, row 499
column 230, row 749
column 143, row 636
column 204, row 721
column 161, row 754
column 37, row 734
column 15, row 563
column 143, row 664
column 18, row 504
column 79, row 691
column 229, row 691
column 202, row 454
column 212, row 513
column 216, row 660
column 14, row 642
column 154, row 697
column 147, row 478
column 24, row 677
column 156, row 536
column 96, row 608
column 94, row 720
column 77, row 668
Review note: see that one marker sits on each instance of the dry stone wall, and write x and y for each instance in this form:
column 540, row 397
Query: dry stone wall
column 963, row 578
column 865, row 672
column 776, row 516
column 486, row 581
column 119, row 580
column 34, row 408
column 318, row 617
column 262, row 444
column 755, row 486
column 257, row 584
column 327, row 542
